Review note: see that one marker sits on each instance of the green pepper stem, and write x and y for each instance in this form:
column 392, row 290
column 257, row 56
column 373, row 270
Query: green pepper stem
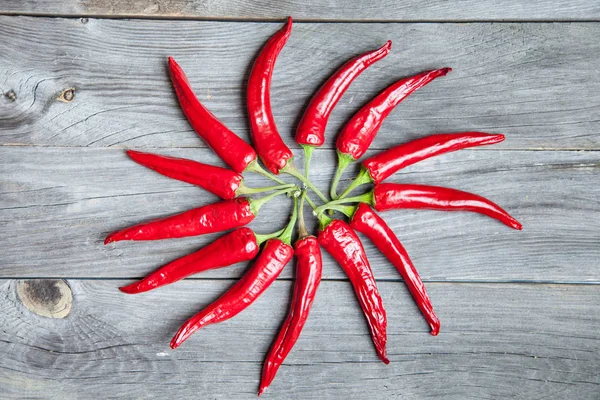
column 363, row 198
column 348, row 211
column 286, row 236
column 343, row 161
column 293, row 171
column 255, row 167
column 256, row 204
column 243, row 189
column 311, row 203
column 308, row 151
column 302, row 231
column 323, row 221
column 261, row 238
column 363, row 178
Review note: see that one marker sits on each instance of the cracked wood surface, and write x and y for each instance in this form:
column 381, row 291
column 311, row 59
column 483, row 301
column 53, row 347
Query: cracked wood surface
column 75, row 92
column 497, row 341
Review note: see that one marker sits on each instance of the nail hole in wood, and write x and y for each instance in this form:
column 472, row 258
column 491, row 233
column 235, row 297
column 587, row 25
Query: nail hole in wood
column 67, row 95
column 50, row 298
column 11, row 95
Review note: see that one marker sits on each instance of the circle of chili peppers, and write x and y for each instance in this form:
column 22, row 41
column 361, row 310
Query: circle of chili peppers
column 336, row 236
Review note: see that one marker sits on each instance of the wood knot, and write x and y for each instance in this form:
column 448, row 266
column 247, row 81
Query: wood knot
column 11, row 95
column 84, row 21
column 67, row 95
column 50, row 298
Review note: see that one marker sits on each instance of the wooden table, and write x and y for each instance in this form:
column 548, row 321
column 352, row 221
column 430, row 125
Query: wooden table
column 84, row 80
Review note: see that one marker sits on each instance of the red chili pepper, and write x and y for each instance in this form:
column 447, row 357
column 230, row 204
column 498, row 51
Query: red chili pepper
column 367, row 222
column 271, row 261
column 216, row 217
column 392, row 196
column 236, row 153
column 345, row 247
column 381, row 166
column 222, row 182
column 308, row 277
column 268, row 143
column 389, row 196
column 311, row 129
column 358, row 134
column 240, row 245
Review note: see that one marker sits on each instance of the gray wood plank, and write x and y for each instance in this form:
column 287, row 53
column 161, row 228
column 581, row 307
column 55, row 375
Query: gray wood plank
column 497, row 341
column 464, row 10
column 57, row 205
column 535, row 82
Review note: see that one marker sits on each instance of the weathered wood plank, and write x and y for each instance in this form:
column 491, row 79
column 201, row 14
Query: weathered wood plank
column 535, row 82
column 497, row 341
column 59, row 203
column 465, row 10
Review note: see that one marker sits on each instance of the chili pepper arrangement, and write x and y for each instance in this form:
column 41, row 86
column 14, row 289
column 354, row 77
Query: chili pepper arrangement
column 336, row 236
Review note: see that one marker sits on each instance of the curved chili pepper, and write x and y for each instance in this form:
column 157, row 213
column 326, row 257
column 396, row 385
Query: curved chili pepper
column 389, row 196
column 367, row 222
column 222, row 182
column 345, row 247
column 270, row 147
column 216, row 217
column 358, row 134
column 269, row 264
column 240, row 245
column 392, row 196
column 381, row 166
column 236, row 153
column 273, row 152
column 311, row 129
column 308, row 277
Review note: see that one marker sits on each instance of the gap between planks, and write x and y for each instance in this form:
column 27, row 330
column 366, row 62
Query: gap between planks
column 150, row 149
column 428, row 281
column 297, row 20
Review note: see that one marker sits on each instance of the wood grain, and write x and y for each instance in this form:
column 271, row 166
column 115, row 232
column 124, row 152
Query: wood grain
column 497, row 341
column 75, row 91
column 535, row 82
column 58, row 204
column 463, row 10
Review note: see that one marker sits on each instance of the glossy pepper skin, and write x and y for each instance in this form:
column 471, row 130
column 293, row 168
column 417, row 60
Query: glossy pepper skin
column 311, row 129
column 358, row 134
column 216, row 217
column 390, row 196
column 268, row 143
column 231, row 148
column 267, row 267
column 383, row 165
column 237, row 246
column 339, row 240
column 308, row 277
column 222, row 182
column 366, row 221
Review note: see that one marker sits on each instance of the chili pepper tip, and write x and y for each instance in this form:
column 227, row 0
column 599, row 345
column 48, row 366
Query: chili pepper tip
column 110, row 238
column 182, row 334
column 513, row 223
column 435, row 329
column 130, row 289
